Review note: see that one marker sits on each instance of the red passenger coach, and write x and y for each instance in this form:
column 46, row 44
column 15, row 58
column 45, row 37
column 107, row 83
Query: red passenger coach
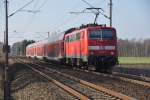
column 35, row 50
column 50, row 48
column 31, row 50
column 54, row 47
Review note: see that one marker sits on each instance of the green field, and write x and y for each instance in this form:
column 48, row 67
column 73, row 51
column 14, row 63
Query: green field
column 134, row 60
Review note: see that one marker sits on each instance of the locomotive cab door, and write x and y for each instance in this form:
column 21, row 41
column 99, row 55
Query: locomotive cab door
column 83, row 46
column 44, row 51
column 66, row 48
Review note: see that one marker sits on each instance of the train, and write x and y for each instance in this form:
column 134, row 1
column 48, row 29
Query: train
column 86, row 46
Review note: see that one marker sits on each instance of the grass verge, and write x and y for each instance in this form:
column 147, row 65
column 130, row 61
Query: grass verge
column 134, row 60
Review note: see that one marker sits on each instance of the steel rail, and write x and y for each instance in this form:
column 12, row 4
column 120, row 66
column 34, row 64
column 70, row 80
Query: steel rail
column 136, row 77
column 96, row 87
column 59, row 84
column 134, row 63
column 91, row 85
column 119, row 77
column 116, row 77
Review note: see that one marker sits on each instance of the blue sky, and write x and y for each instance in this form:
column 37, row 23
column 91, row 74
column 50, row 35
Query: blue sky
column 130, row 18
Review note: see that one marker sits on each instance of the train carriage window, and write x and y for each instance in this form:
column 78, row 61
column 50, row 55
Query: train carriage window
column 72, row 37
column 77, row 36
column 67, row 39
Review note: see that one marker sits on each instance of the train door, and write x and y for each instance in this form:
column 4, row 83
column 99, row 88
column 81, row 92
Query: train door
column 44, row 51
column 34, row 54
column 79, row 50
column 66, row 48
column 83, row 45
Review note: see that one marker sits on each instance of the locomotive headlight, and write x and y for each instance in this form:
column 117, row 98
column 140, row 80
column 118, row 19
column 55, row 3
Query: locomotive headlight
column 93, row 47
column 112, row 53
column 109, row 47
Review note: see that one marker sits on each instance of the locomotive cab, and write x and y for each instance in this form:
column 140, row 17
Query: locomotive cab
column 102, row 47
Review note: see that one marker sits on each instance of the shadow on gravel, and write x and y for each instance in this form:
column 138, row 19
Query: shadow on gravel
column 133, row 69
column 21, row 76
column 1, row 81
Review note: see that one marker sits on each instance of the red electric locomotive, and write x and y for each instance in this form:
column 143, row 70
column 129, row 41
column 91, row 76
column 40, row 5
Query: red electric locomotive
column 89, row 45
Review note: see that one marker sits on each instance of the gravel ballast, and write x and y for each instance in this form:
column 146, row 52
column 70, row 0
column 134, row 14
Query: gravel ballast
column 28, row 85
column 1, row 81
column 137, row 91
column 140, row 70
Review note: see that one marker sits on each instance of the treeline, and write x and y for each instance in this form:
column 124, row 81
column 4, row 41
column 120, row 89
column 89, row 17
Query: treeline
column 126, row 48
column 134, row 48
column 19, row 48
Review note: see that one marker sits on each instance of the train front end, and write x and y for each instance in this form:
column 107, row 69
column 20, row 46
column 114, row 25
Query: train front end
column 102, row 47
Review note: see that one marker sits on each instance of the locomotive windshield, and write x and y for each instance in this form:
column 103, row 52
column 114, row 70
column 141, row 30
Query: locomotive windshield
column 103, row 34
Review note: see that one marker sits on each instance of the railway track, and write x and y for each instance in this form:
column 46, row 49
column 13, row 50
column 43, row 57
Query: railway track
column 144, row 81
column 125, row 77
column 82, row 89
column 123, row 85
column 135, row 77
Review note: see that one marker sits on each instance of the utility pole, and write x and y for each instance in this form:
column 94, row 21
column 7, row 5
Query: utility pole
column 48, row 33
column 6, row 49
column 110, row 12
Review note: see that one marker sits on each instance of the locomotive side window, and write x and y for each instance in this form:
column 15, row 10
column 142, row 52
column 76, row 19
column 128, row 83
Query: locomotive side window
column 67, row 39
column 78, row 36
column 73, row 37
column 103, row 34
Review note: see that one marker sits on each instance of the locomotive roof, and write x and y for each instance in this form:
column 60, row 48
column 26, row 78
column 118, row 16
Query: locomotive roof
column 83, row 27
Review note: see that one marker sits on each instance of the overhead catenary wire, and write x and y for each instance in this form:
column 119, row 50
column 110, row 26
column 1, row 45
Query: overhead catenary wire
column 65, row 21
column 20, row 8
column 75, row 18
column 88, row 12
column 91, row 6
column 31, row 20
column 87, row 3
column 110, row 9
